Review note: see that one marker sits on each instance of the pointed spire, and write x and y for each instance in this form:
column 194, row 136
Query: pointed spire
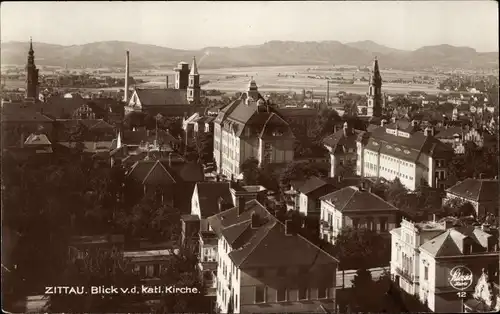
column 375, row 66
column 194, row 68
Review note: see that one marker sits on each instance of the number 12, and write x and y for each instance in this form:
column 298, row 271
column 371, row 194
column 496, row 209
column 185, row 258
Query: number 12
column 462, row 294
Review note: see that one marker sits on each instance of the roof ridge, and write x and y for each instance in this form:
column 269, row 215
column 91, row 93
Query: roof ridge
column 152, row 168
column 480, row 189
column 350, row 198
column 273, row 222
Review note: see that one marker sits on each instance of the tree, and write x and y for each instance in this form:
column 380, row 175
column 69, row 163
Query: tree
column 360, row 248
column 134, row 120
column 458, row 207
column 250, row 170
column 298, row 171
column 397, row 194
column 204, row 143
column 100, row 267
column 324, row 124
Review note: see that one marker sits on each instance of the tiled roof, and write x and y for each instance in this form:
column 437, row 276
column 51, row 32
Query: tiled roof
column 411, row 148
column 479, row 190
column 451, row 242
column 37, row 139
column 353, row 199
column 165, row 173
column 57, row 106
column 209, row 194
column 266, row 245
column 338, row 140
column 311, row 185
column 448, row 133
column 162, row 97
column 15, row 112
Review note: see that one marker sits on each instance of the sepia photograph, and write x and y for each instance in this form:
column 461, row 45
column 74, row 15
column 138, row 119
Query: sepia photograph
column 247, row 157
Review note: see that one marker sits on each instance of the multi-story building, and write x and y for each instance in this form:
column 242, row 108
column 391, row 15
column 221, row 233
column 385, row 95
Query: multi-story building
column 399, row 150
column 482, row 194
column 341, row 146
column 183, row 100
column 425, row 258
column 486, row 296
column 306, row 195
column 250, row 127
column 264, row 266
column 355, row 207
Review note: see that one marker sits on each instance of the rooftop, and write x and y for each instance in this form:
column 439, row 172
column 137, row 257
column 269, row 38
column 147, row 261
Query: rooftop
column 353, row 198
column 479, row 190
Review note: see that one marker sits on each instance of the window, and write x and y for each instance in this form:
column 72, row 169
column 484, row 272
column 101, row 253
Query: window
column 322, row 292
column 426, row 273
column 383, row 224
column 260, row 294
column 281, row 294
column 302, row 293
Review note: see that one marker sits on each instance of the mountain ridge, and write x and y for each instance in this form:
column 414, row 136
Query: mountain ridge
column 270, row 53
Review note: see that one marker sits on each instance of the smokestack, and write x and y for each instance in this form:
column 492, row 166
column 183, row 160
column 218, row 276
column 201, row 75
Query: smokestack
column 288, row 227
column 327, row 93
column 241, row 205
column 167, row 81
column 125, row 98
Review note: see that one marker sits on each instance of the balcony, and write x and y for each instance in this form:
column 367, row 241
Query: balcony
column 406, row 275
column 325, row 226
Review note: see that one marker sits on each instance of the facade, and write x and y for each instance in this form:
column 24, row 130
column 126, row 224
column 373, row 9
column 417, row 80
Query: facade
column 399, row 150
column 426, row 258
column 486, row 297
column 301, row 119
column 480, row 193
column 355, row 207
column 341, row 147
column 250, row 128
column 264, row 266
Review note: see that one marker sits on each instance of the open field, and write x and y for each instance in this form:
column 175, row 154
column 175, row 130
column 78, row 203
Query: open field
column 278, row 79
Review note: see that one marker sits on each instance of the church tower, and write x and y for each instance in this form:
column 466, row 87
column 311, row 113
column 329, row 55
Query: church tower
column 193, row 90
column 31, row 75
column 375, row 92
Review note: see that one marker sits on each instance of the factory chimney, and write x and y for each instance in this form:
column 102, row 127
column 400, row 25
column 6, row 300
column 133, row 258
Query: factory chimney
column 125, row 97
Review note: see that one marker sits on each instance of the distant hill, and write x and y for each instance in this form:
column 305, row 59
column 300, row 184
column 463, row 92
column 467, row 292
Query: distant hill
column 273, row 53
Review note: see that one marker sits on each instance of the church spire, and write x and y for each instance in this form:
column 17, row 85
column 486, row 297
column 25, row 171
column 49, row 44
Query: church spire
column 31, row 74
column 193, row 89
column 194, row 68
column 374, row 108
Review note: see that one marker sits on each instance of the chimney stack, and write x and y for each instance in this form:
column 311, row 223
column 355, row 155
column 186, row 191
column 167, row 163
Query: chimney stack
column 383, row 122
column 125, row 97
column 288, row 227
column 167, row 81
column 170, row 159
column 241, row 204
column 219, row 203
column 255, row 221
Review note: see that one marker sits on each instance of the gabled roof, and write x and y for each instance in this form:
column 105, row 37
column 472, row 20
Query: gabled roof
column 37, row 139
column 352, row 198
column 209, row 194
column 311, row 185
column 266, row 245
column 479, row 190
column 162, row 97
column 341, row 140
column 451, row 242
column 178, row 172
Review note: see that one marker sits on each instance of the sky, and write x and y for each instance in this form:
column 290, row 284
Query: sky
column 405, row 25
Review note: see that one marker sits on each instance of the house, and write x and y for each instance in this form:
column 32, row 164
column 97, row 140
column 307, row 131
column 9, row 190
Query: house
column 307, row 198
column 210, row 198
column 457, row 136
column 435, row 260
column 180, row 101
column 355, row 207
column 482, row 194
column 264, row 266
column 302, row 119
column 400, row 150
column 197, row 124
column 172, row 182
column 76, row 107
column 341, row 146
column 250, row 128
column 150, row 264
column 80, row 246
column 39, row 143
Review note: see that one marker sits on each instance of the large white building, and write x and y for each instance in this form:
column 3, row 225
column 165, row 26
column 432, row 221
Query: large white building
column 400, row 150
column 250, row 127
column 424, row 256
column 264, row 266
